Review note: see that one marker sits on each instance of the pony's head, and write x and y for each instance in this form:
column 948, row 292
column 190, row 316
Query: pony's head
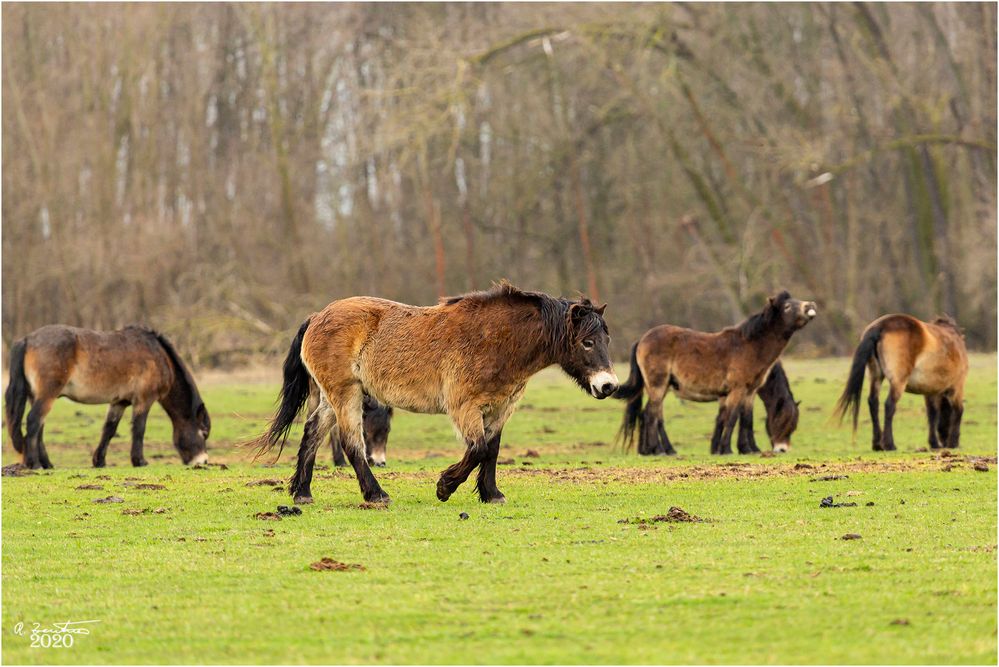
column 585, row 354
column 782, row 313
column 190, row 436
column 782, row 421
column 377, row 424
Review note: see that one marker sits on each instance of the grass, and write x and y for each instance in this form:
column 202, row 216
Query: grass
column 551, row 577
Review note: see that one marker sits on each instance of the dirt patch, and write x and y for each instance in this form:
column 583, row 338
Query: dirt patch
column 828, row 478
column 90, row 487
column 673, row 515
column 531, row 454
column 267, row 516
column 109, row 499
column 334, row 566
column 851, row 536
column 265, row 482
column 372, row 506
column 137, row 512
column 16, row 470
column 148, row 487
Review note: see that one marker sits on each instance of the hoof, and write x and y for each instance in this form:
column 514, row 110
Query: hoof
column 140, row 463
column 443, row 493
column 495, row 500
column 99, row 464
column 303, row 500
column 378, row 499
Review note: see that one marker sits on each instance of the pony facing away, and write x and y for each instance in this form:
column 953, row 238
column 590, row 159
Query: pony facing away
column 927, row 358
column 469, row 357
column 377, row 425
column 134, row 366
column 728, row 366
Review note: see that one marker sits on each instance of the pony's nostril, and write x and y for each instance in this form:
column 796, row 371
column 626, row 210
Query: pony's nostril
column 608, row 388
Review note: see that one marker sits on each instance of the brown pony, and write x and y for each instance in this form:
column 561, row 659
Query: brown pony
column 377, row 425
column 134, row 366
column 469, row 357
column 728, row 366
column 927, row 358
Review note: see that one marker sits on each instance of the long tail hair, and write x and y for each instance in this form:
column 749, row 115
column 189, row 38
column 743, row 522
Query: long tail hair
column 631, row 391
column 850, row 400
column 17, row 395
column 294, row 394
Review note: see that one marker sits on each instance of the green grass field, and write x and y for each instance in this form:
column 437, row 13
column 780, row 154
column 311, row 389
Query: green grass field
column 553, row 576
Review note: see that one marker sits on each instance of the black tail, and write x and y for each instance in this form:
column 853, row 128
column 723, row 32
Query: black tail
column 17, row 395
column 631, row 391
column 294, row 394
column 850, row 400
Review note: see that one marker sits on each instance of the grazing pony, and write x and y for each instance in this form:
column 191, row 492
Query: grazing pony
column 377, row 425
column 782, row 411
column 927, row 358
column 469, row 357
column 134, row 366
column 728, row 366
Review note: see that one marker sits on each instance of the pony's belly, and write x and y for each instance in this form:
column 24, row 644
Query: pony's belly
column 89, row 395
column 697, row 396
column 926, row 381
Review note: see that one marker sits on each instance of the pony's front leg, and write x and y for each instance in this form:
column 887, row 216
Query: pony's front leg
column 728, row 416
column 43, row 455
column 746, row 438
column 486, row 482
column 468, row 421
column 933, row 418
column 874, row 405
column 139, row 415
column 339, row 460
column 115, row 411
column 954, row 431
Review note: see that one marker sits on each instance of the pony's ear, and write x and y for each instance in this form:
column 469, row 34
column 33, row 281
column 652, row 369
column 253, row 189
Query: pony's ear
column 599, row 310
column 797, row 402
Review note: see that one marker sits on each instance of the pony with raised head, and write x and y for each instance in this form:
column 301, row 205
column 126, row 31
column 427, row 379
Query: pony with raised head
column 469, row 357
column 134, row 366
column 727, row 366
column 928, row 358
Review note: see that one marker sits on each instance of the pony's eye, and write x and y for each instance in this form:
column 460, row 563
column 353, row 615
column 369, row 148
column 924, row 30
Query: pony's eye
column 787, row 307
column 588, row 344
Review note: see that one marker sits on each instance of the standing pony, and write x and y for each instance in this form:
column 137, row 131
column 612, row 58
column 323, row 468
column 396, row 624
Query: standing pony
column 728, row 366
column 469, row 357
column 927, row 358
column 134, row 366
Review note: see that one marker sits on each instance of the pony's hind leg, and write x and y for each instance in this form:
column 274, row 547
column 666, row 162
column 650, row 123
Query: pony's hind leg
column 933, row 418
column 318, row 424
column 874, row 404
column 115, row 411
column 728, row 415
column 887, row 436
column 339, row 460
column 943, row 421
column 43, row 455
column 31, row 458
column 350, row 422
column 653, row 439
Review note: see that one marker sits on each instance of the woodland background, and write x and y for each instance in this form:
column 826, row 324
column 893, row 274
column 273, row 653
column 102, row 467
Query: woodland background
column 222, row 170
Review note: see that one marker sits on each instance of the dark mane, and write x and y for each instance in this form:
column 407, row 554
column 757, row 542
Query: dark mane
column 559, row 331
column 948, row 321
column 185, row 380
column 756, row 325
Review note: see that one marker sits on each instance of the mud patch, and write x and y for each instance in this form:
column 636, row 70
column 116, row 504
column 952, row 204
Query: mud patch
column 109, row 499
column 267, row 516
column 147, row 487
column 90, row 487
column 16, row 470
column 372, row 506
column 851, row 536
column 329, row 564
column 673, row 515
column 828, row 502
column 265, row 482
